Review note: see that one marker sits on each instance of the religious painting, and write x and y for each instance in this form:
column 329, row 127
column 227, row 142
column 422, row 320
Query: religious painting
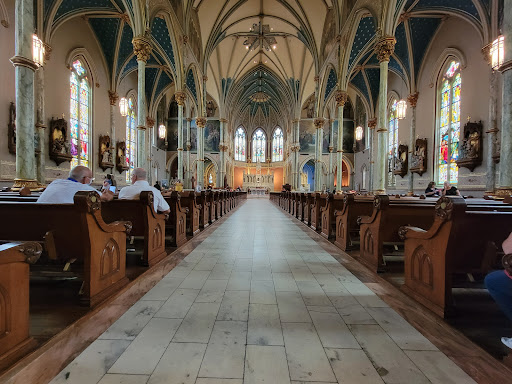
column 212, row 136
column 193, row 136
column 307, row 136
column 308, row 109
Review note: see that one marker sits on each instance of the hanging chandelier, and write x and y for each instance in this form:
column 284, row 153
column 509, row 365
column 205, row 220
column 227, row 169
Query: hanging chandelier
column 359, row 133
column 497, row 52
column 401, row 109
column 259, row 97
column 260, row 36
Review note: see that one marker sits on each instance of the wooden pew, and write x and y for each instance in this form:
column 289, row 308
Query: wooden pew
column 78, row 232
column 189, row 200
column 462, row 239
column 333, row 203
column 15, row 340
column 300, row 210
column 306, row 210
column 347, row 228
column 146, row 223
column 204, row 216
column 382, row 226
column 318, row 202
column 176, row 226
column 213, row 206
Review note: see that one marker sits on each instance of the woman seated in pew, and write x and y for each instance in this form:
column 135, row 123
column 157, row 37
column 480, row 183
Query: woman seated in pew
column 139, row 184
column 62, row 191
column 450, row 190
column 499, row 285
column 431, row 190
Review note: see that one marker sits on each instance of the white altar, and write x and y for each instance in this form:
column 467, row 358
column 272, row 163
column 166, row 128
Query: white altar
column 259, row 181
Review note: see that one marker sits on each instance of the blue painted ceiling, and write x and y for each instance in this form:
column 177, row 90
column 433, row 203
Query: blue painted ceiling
column 191, row 84
column 151, row 74
column 373, row 76
column 365, row 32
column 160, row 33
column 422, row 31
column 332, row 80
column 359, row 83
column 106, row 30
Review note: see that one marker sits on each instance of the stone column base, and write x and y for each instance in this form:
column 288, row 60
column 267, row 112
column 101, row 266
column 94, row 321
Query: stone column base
column 33, row 185
column 379, row 192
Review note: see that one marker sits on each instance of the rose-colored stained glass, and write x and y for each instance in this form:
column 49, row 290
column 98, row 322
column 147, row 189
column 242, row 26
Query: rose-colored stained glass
column 454, row 66
column 79, row 115
column 131, row 140
column 259, row 142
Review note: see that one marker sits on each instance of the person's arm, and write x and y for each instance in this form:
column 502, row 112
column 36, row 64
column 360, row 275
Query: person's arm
column 163, row 207
column 107, row 196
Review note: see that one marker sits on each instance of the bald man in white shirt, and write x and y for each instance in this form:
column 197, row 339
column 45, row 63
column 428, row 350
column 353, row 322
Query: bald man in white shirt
column 62, row 191
column 139, row 184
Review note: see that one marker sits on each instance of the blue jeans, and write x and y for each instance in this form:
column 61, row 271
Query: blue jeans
column 499, row 286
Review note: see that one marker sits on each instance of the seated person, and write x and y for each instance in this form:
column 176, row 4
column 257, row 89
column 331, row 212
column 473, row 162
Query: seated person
column 431, row 190
column 139, row 184
column 499, row 285
column 157, row 186
column 62, row 191
column 450, row 190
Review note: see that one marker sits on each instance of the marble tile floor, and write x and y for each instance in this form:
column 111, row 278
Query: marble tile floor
column 259, row 301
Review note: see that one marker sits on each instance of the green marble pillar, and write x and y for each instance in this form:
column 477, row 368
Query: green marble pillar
column 341, row 99
column 180, row 99
column 413, row 100
column 201, row 123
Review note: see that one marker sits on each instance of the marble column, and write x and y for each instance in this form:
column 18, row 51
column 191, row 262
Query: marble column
column 413, row 101
column 319, row 125
column 372, row 123
column 331, row 155
column 40, row 127
column 188, row 182
column 113, row 98
column 384, row 49
column 341, row 99
column 24, row 82
column 150, row 125
column 492, row 132
column 142, row 49
column 223, row 149
column 296, row 151
column 180, row 99
column 201, row 123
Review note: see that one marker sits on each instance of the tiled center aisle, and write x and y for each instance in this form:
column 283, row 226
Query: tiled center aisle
column 259, row 301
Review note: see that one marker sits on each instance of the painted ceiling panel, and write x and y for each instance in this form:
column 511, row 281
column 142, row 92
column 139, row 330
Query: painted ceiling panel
column 462, row 5
column 408, row 5
column 359, row 83
column 106, row 30
column 393, row 64
column 373, row 60
column 150, row 82
column 365, row 31
column 160, row 33
column 48, row 5
column 68, row 6
column 126, row 47
column 332, row 80
column 132, row 64
column 422, row 31
column 163, row 82
column 191, row 84
column 373, row 75
column 401, row 49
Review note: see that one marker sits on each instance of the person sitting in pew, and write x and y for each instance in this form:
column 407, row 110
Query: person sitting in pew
column 62, row 191
column 139, row 184
column 499, row 285
column 450, row 190
column 431, row 190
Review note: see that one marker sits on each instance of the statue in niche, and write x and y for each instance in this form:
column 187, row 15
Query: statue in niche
column 121, row 160
column 401, row 161
column 470, row 153
column 12, row 129
column 59, row 146
column 105, row 153
column 419, row 157
column 303, row 178
column 210, row 108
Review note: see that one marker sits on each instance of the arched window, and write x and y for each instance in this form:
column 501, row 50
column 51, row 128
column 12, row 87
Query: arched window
column 449, row 125
column 131, row 140
column 240, row 144
column 259, row 142
column 277, row 145
column 392, row 143
column 79, row 115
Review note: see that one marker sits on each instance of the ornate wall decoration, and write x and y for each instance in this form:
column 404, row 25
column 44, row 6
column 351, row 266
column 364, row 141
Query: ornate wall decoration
column 121, row 164
column 419, row 157
column 402, row 161
column 471, row 147
column 59, row 144
column 105, row 153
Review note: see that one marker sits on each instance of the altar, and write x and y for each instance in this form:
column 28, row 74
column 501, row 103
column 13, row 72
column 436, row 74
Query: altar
column 258, row 191
column 258, row 181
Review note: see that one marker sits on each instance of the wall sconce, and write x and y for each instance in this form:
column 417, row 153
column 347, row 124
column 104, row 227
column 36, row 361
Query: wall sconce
column 162, row 130
column 359, row 133
column 123, row 106
column 401, row 109
column 37, row 50
column 498, row 52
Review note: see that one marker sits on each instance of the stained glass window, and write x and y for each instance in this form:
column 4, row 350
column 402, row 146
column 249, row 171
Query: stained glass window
column 392, row 143
column 277, row 145
column 449, row 125
column 79, row 115
column 259, row 142
column 240, row 144
column 131, row 140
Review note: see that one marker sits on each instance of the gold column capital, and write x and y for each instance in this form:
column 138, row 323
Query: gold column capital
column 201, row 122
column 385, row 47
column 223, row 120
column 113, row 97
column 180, row 98
column 413, row 99
column 47, row 52
column 189, row 119
column 142, row 48
column 295, row 121
column 372, row 123
column 150, row 122
column 341, row 98
column 319, row 123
